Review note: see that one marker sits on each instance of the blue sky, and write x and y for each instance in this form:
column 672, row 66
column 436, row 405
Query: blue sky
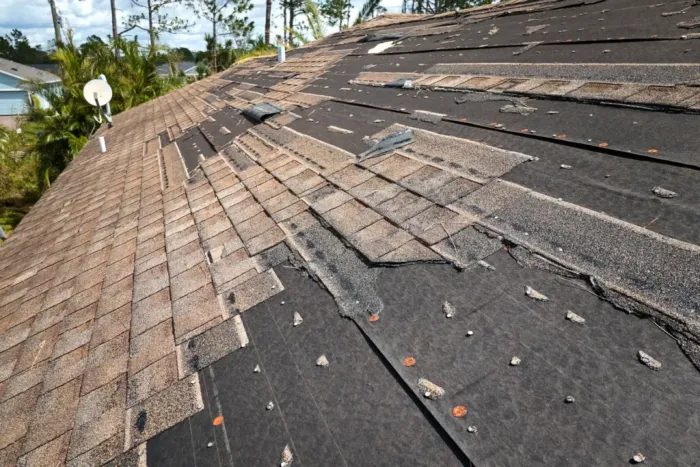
column 87, row 17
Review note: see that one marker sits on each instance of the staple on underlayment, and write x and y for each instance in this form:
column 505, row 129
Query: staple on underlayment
column 648, row 360
column 287, row 457
column 430, row 389
column 388, row 143
column 260, row 112
column 448, row 309
column 534, row 294
column 663, row 192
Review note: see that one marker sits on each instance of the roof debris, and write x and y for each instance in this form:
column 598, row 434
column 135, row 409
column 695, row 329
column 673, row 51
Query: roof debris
column 528, row 46
column 287, row 457
column 534, row 294
column 648, row 360
column 297, row 319
column 472, row 429
column 679, row 12
column 448, row 309
column 430, row 390
column 663, row 192
column 573, row 317
column 494, row 31
column 566, row 167
column 260, row 112
column 270, row 405
column 425, row 116
column 322, row 361
column 638, row 458
column 529, row 30
column 515, row 361
column 692, row 24
column 388, row 143
column 337, row 129
column 485, row 265
column 517, row 109
column 256, row 369
column 694, row 35
column 569, row 399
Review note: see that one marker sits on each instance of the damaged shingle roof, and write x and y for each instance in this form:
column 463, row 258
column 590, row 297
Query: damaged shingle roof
column 204, row 265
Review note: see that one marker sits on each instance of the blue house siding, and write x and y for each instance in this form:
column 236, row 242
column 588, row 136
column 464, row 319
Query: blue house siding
column 13, row 102
column 8, row 82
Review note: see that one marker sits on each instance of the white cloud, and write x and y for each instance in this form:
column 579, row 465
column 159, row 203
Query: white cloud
column 88, row 17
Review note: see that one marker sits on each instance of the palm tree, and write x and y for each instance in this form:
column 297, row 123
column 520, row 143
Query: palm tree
column 368, row 10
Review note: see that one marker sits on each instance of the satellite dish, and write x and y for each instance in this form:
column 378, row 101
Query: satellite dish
column 97, row 92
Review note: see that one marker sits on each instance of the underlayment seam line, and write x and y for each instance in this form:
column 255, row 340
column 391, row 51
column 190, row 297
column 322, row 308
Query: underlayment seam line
column 215, row 390
column 306, row 384
column 272, row 394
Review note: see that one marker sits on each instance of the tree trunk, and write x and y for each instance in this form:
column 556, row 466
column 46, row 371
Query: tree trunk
column 268, row 13
column 291, row 25
column 56, row 26
column 214, row 41
column 151, row 33
column 284, row 21
column 115, row 35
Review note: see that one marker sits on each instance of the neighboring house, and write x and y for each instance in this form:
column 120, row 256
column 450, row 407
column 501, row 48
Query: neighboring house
column 15, row 94
column 188, row 68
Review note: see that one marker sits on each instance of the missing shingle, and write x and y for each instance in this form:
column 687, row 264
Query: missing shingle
column 387, row 144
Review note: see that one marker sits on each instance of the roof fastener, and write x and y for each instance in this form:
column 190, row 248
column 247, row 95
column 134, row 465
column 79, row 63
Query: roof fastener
column 638, row 458
column 515, row 361
column 210, row 444
column 322, row 361
column 648, row 360
column 430, row 389
column 409, row 361
column 282, row 302
column 448, row 309
column 472, row 429
column 373, row 318
column 256, row 369
column 297, row 319
column 270, row 405
column 459, row 411
column 470, row 333
column 569, row 399
column 573, row 317
column 532, row 293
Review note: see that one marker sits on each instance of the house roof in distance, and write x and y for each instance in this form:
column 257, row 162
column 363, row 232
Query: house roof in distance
column 476, row 243
column 26, row 72
column 185, row 67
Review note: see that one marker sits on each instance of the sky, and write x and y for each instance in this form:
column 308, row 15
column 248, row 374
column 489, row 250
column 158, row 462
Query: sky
column 88, row 17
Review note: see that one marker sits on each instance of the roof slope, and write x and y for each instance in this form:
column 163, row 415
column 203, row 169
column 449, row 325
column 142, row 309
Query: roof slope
column 546, row 207
column 26, row 73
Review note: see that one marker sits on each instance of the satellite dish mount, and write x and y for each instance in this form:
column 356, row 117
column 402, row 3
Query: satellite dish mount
column 98, row 93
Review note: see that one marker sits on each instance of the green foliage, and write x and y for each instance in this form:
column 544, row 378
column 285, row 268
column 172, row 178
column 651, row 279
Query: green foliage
column 51, row 138
column 369, row 9
column 314, row 20
column 155, row 21
column 441, row 6
column 336, row 12
column 15, row 46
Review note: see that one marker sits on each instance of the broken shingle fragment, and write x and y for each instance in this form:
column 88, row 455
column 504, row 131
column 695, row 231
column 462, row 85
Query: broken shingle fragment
column 565, row 167
column 485, row 265
column 648, row 360
column 663, row 192
column 322, row 361
column 430, row 390
column 534, row 294
column 515, row 361
column 287, row 457
column 388, row 143
column 297, row 319
column 573, row 317
column 448, row 309
column 638, row 458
